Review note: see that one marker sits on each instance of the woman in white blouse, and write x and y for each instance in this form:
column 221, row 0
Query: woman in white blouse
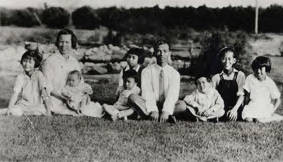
column 57, row 66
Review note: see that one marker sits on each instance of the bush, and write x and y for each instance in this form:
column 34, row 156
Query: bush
column 208, row 63
column 5, row 17
column 85, row 18
column 55, row 17
column 25, row 17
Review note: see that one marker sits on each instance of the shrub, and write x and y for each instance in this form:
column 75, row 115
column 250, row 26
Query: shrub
column 55, row 17
column 25, row 17
column 5, row 17
column 85, row 18
column 208, row 63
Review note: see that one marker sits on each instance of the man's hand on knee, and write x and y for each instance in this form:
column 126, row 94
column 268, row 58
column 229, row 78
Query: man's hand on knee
column 154, row 115
column 164, row 116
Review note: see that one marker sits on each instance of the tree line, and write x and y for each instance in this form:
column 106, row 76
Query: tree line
column 149, row 19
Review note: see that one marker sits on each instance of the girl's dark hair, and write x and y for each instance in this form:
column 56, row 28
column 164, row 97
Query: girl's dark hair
column 130, row 74
column 138, row 52
column 224, row 50
column 261, row 61
column 32, row 54
column 76, row 72
column 74, row 40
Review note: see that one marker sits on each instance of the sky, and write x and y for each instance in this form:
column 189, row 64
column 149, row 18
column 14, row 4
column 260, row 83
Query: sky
column 134, row 3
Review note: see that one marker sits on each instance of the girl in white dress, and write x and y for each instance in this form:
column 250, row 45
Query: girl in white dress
column 30, row 96
column 263, row 93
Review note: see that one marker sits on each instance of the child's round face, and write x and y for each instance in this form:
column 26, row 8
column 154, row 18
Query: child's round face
column 132, row 60
column 260, row 73
column 228, row 60
column 130, row 83
column 73, row 80
column 203, row 85
column 65, row 43
column 28, row 64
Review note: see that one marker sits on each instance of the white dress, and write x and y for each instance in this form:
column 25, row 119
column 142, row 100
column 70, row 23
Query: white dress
column 261, row 95
column 30, row 99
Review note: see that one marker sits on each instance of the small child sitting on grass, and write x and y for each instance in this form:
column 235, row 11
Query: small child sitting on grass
column 205, row 102
column 30, row 96
column 263, row 93
column 76, row 94
column 121, row 108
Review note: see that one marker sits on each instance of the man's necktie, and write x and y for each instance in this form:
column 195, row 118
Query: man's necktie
column 161, row 86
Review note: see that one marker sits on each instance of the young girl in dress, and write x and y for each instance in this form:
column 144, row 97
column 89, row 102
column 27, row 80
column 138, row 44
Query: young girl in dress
column 30, row 96
column 229, row 83
column 263, row 93
column 205, row 102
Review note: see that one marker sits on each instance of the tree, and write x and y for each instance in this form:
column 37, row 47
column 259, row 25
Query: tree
column 55, row 17
column 25, row 17
column 85, row 18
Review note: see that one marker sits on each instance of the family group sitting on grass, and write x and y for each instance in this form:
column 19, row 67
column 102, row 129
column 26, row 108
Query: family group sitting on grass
column 56, row 86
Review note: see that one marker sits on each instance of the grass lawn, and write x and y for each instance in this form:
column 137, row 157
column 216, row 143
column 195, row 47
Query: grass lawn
column 66, row 138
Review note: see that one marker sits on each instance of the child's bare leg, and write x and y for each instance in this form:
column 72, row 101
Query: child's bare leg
column 126, row 113
column 180, row 107
column 111, row 110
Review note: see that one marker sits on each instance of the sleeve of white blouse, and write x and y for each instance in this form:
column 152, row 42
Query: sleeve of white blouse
column 43, row 85
column 147, row 91
column 275, row 93
column 172, row 94
column 215, row 80
column 48, row 72
column 241, row 82
column 247, row 84
column 19, row 83
column 190, row 99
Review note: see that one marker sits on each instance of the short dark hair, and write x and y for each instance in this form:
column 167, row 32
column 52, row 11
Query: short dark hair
column 226, row 49
column 32, row 54
column 75, row 72
column 261, row 61
column 157, row 44
column 208, row 78
column 74, row 40
column 138, row 52
column 130, row 74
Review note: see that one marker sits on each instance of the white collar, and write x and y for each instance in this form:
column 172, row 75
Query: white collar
column 234, row 70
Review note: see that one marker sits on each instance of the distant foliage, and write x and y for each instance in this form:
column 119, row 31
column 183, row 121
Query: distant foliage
column 155, row 20
column 271, row 18
column 85, row 18
column 25, row 17
column 55, row 17
column 208, row 63
column 6, row 17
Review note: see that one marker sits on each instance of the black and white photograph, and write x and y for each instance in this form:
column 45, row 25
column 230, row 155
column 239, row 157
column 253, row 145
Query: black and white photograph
column 141, row 80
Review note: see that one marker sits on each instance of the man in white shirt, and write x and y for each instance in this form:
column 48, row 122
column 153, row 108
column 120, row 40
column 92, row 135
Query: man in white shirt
column 160, row 84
